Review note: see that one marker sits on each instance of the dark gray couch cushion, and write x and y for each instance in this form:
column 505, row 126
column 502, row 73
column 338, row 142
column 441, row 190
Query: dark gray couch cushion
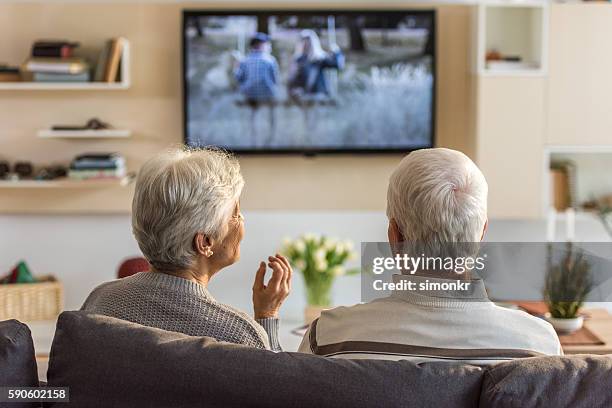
column 110, row 362
column 17, row 359
column 571, row 381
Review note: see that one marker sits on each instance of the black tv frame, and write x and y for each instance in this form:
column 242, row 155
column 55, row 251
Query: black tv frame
column 187, row 13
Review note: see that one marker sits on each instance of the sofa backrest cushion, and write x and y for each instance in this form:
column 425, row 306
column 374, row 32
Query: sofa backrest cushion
column 570, row 381
column 110, row 362
column 17, row 359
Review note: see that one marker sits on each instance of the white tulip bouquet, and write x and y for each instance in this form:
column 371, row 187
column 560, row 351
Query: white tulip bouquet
column 321, row 260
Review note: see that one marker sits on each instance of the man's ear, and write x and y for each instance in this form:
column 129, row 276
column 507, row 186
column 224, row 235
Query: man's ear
column 484, row 229
column 202, row 244
column 393, row 232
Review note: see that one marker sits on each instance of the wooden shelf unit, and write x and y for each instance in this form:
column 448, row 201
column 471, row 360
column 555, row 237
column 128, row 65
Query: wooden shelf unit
column 124, row 83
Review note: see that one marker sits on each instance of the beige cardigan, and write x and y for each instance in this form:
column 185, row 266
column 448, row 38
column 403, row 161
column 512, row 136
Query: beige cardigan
column 433, row 326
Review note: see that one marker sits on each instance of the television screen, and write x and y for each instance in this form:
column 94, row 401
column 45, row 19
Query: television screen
column 309, row 81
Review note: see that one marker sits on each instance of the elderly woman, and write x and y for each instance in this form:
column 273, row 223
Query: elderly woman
column 187, row 221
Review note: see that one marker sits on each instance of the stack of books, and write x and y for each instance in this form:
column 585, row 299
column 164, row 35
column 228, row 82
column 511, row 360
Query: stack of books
column 54, row 61
column 97, row 165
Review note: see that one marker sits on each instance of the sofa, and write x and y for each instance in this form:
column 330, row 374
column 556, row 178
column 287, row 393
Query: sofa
column 108, row 362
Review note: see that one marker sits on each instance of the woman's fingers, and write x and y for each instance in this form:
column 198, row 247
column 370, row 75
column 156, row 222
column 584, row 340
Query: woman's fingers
column 281, row 274
column 259, row 276
column 289, row 270
column 284, row 261
column 284, row 265
column 290, row 274
column 278, row 273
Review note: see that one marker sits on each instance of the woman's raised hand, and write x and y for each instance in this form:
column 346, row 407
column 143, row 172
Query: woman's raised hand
column 268, row 298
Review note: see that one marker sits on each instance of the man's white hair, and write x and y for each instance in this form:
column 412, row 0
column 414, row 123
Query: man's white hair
column 438, row 196
column 178, row 194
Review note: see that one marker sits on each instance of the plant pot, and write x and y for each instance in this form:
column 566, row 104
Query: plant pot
column 312, row 312
column 565, row 325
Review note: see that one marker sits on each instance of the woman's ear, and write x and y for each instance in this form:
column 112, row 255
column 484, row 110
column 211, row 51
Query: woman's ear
column 203, row 245
column 393, row 232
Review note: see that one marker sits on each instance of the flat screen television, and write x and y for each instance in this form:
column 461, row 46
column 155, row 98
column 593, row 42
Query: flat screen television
column 309, row 81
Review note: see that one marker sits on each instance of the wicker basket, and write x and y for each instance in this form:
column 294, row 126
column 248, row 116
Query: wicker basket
column 31, row 301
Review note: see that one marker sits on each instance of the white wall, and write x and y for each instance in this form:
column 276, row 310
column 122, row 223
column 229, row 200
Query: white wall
column 83, row 251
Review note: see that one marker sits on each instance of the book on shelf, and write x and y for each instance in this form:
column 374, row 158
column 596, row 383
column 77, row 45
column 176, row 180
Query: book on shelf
column 54, row 48
column 73, row 65
column 560, row 194
column 109, row 61
column 98, row 156
column 111, row 71
column 87, row 164
column 96, row 174
column 563, row 185
column 53, row 77
column 100, row 71
column 7, row 77
column 97, row 165
column 9, row 74
column 105, row 166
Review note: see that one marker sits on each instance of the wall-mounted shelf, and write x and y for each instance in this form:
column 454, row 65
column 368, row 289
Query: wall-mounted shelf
column 66, row 183
column 84, row 134
column 513, row 28
column 124, row 83
column 63, row 86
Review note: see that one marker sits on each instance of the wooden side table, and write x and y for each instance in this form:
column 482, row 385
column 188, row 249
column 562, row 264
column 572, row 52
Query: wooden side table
column 600, row 323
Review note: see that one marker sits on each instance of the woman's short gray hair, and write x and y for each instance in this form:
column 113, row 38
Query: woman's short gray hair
column 178, row 194
column 438, row 196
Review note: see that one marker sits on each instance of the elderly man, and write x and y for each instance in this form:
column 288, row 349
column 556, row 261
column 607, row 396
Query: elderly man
column 436, row 198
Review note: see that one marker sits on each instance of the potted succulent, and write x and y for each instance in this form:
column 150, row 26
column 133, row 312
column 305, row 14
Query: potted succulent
column 567, row 286
column 320, row 260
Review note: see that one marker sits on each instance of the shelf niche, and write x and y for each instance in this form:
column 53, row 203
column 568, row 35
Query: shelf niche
column 591, row 165
column 512, row 29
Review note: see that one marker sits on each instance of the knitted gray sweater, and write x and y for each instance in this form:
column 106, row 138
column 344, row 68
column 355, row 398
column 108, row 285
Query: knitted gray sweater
column 180, row 305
